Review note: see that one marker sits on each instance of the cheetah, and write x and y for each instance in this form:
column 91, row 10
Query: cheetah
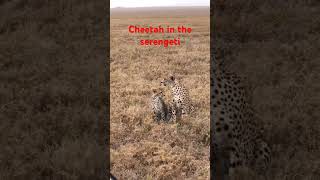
column 174, row 113
column 158, row 105
column 237, row 139
column 180, row 95
column 112, row 177
column 161, row 110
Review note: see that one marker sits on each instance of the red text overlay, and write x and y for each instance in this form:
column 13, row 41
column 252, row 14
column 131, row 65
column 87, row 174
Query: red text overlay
column 159, row 30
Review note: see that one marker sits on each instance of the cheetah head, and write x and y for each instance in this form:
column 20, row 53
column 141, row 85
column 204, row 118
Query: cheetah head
column 168, row 82
column 157, row 92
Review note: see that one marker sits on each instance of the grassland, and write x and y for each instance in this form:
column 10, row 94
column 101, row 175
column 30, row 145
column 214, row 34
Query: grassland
column 275, row 45
column 52, row 63
column 141, row 148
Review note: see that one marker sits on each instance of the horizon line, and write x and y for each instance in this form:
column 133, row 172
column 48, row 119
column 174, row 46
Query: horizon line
column 160, row 6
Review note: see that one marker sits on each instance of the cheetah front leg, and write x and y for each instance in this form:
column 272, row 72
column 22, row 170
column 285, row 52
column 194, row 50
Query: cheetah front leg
column 175, row 112
column 157, row 116
column 232, row 166
column 221, row 164
column 174, row 115
column 236, row 161
column 163, row 116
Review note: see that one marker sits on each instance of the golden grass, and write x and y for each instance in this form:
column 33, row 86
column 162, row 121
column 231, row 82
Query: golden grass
column 141, row 148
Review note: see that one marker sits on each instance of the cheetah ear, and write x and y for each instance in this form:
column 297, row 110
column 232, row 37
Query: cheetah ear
column 172, row 77
column 162, row 93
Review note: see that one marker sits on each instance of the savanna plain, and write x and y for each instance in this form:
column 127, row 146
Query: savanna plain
column 140, row 147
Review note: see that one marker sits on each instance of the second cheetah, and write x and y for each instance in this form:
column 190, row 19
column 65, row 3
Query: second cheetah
column 161, row 110
column 180, row 95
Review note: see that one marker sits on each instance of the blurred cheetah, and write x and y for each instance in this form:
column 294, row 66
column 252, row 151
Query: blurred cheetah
column 162, row 111
column 158, row 105
column 180, row 95
column 112, row 177
column 236, row 136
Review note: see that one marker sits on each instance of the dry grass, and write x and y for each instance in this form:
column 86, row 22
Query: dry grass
column 275, row 44
column 51, row 94
column 141, row 148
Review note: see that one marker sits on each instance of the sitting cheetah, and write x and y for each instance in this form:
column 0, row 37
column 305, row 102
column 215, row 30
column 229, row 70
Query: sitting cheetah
column 236, row 136
column 161, row 110
column 180, row 95
column 158, row 106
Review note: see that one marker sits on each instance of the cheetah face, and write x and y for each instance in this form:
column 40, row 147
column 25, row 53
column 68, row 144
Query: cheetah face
column 169, row 81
